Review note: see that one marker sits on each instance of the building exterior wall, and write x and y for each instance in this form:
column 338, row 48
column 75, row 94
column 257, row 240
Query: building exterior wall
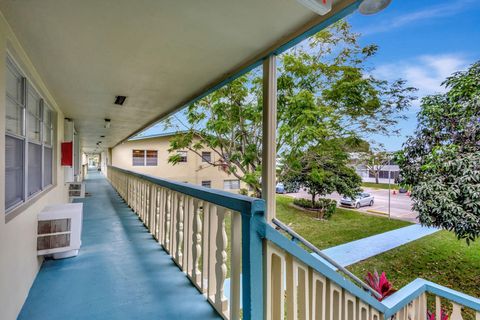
column 193, row 171
column 19, row 263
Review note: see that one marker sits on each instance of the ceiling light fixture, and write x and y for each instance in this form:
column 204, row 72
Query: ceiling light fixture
column 322, row 7
column 120, row 100
column 369, row 7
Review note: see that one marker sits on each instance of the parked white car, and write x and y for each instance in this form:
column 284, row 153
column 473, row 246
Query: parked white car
column 362, row 199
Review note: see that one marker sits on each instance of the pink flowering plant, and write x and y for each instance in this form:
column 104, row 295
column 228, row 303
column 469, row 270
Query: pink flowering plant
column 380, row 284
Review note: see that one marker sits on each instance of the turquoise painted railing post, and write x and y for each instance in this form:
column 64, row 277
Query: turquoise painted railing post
column 253, row 225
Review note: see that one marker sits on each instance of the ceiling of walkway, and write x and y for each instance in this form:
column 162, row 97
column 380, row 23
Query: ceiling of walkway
column 159, row 53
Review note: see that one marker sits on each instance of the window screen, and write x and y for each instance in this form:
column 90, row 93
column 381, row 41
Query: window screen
column 34, row 168
column 28, row 139
column 206, row 156
column 138, row 157
column 231, row 184
column 14, row 101
column 14, row 171
column 152, row 159
column 48, row 165
column 33, row 115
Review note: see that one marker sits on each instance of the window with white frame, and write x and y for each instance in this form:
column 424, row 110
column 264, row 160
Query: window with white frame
column 28, row 139
column 231, row 184
column 144, row 157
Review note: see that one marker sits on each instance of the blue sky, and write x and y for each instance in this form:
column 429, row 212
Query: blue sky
column 422, row 42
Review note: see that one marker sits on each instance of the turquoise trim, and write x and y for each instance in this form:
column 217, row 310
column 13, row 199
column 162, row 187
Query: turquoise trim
column 236, row 202
column 401, row 298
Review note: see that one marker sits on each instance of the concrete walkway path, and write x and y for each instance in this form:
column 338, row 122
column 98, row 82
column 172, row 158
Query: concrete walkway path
column 352, row 252
column 120, row 273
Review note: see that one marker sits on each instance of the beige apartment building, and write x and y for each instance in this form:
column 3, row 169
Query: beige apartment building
column 149, row 155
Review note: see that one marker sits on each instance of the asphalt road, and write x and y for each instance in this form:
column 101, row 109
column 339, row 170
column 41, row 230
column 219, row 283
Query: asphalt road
column 400, row 204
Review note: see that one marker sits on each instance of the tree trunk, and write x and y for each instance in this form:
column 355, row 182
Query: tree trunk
column 313, row 199
column 376, row 177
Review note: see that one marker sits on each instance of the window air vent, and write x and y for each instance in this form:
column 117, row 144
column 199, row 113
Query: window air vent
column 120, row 100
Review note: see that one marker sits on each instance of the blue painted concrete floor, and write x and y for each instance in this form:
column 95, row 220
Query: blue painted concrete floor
column 352, row 252
column 120, row 273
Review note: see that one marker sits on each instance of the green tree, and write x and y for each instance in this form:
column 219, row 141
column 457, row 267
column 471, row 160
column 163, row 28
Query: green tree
column 441, row 162
column 322, row 170
column 326, row 92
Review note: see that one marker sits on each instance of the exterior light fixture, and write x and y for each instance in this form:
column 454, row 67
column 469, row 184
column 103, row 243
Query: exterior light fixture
column 322, row 7
column 107, row 123
column 368, row 7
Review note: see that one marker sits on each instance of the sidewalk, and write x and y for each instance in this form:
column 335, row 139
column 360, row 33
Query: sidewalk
column 352, row 252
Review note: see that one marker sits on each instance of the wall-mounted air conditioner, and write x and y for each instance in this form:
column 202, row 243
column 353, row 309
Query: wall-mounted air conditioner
column 59, row 230
column 76, row 190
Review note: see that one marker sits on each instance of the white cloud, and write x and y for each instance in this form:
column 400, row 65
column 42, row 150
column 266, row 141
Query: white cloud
column 426, row 72
column 429, row 13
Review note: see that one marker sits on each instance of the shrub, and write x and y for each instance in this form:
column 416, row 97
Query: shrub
column 380, row 284
column 325, row 207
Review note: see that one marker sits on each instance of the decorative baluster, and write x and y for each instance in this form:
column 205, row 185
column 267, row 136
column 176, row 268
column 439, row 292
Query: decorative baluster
column 161, row 223
column 410, row 311
column 167, row 220
column 221, row 265
column 456, row 312
column 422, row 300
column 275, row 285
column 158, row 194
column 179, row 253
column 188, row 260
column 438, row 308
column 205, row 234
column 173, row 224
column 186, row 232
column 212, row 235
column 197, row 243
column 478, row 316
column 235, row 265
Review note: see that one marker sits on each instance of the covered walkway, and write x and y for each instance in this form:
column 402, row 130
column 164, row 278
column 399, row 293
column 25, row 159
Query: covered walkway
column 120, row 273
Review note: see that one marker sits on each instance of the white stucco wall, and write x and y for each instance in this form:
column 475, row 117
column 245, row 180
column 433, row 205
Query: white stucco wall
column 19, row 263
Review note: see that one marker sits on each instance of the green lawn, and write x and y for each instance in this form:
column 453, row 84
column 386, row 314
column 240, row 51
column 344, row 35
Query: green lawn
column 374, row 185
column 439, row 258
column 344, row 226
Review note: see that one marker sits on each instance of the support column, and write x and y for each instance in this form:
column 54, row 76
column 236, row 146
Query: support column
column 269, row 147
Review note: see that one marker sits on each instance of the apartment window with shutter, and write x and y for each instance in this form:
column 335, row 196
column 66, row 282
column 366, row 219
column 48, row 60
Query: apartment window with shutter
column 144, row 157
column 29, row 133
column 206, row 156
column 231, row 184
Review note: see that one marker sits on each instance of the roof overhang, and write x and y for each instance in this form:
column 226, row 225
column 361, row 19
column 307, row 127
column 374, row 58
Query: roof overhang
column 161, row 54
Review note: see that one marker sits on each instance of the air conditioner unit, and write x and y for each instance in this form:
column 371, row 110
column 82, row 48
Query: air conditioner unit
column 76, row 190
column 59, row 230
